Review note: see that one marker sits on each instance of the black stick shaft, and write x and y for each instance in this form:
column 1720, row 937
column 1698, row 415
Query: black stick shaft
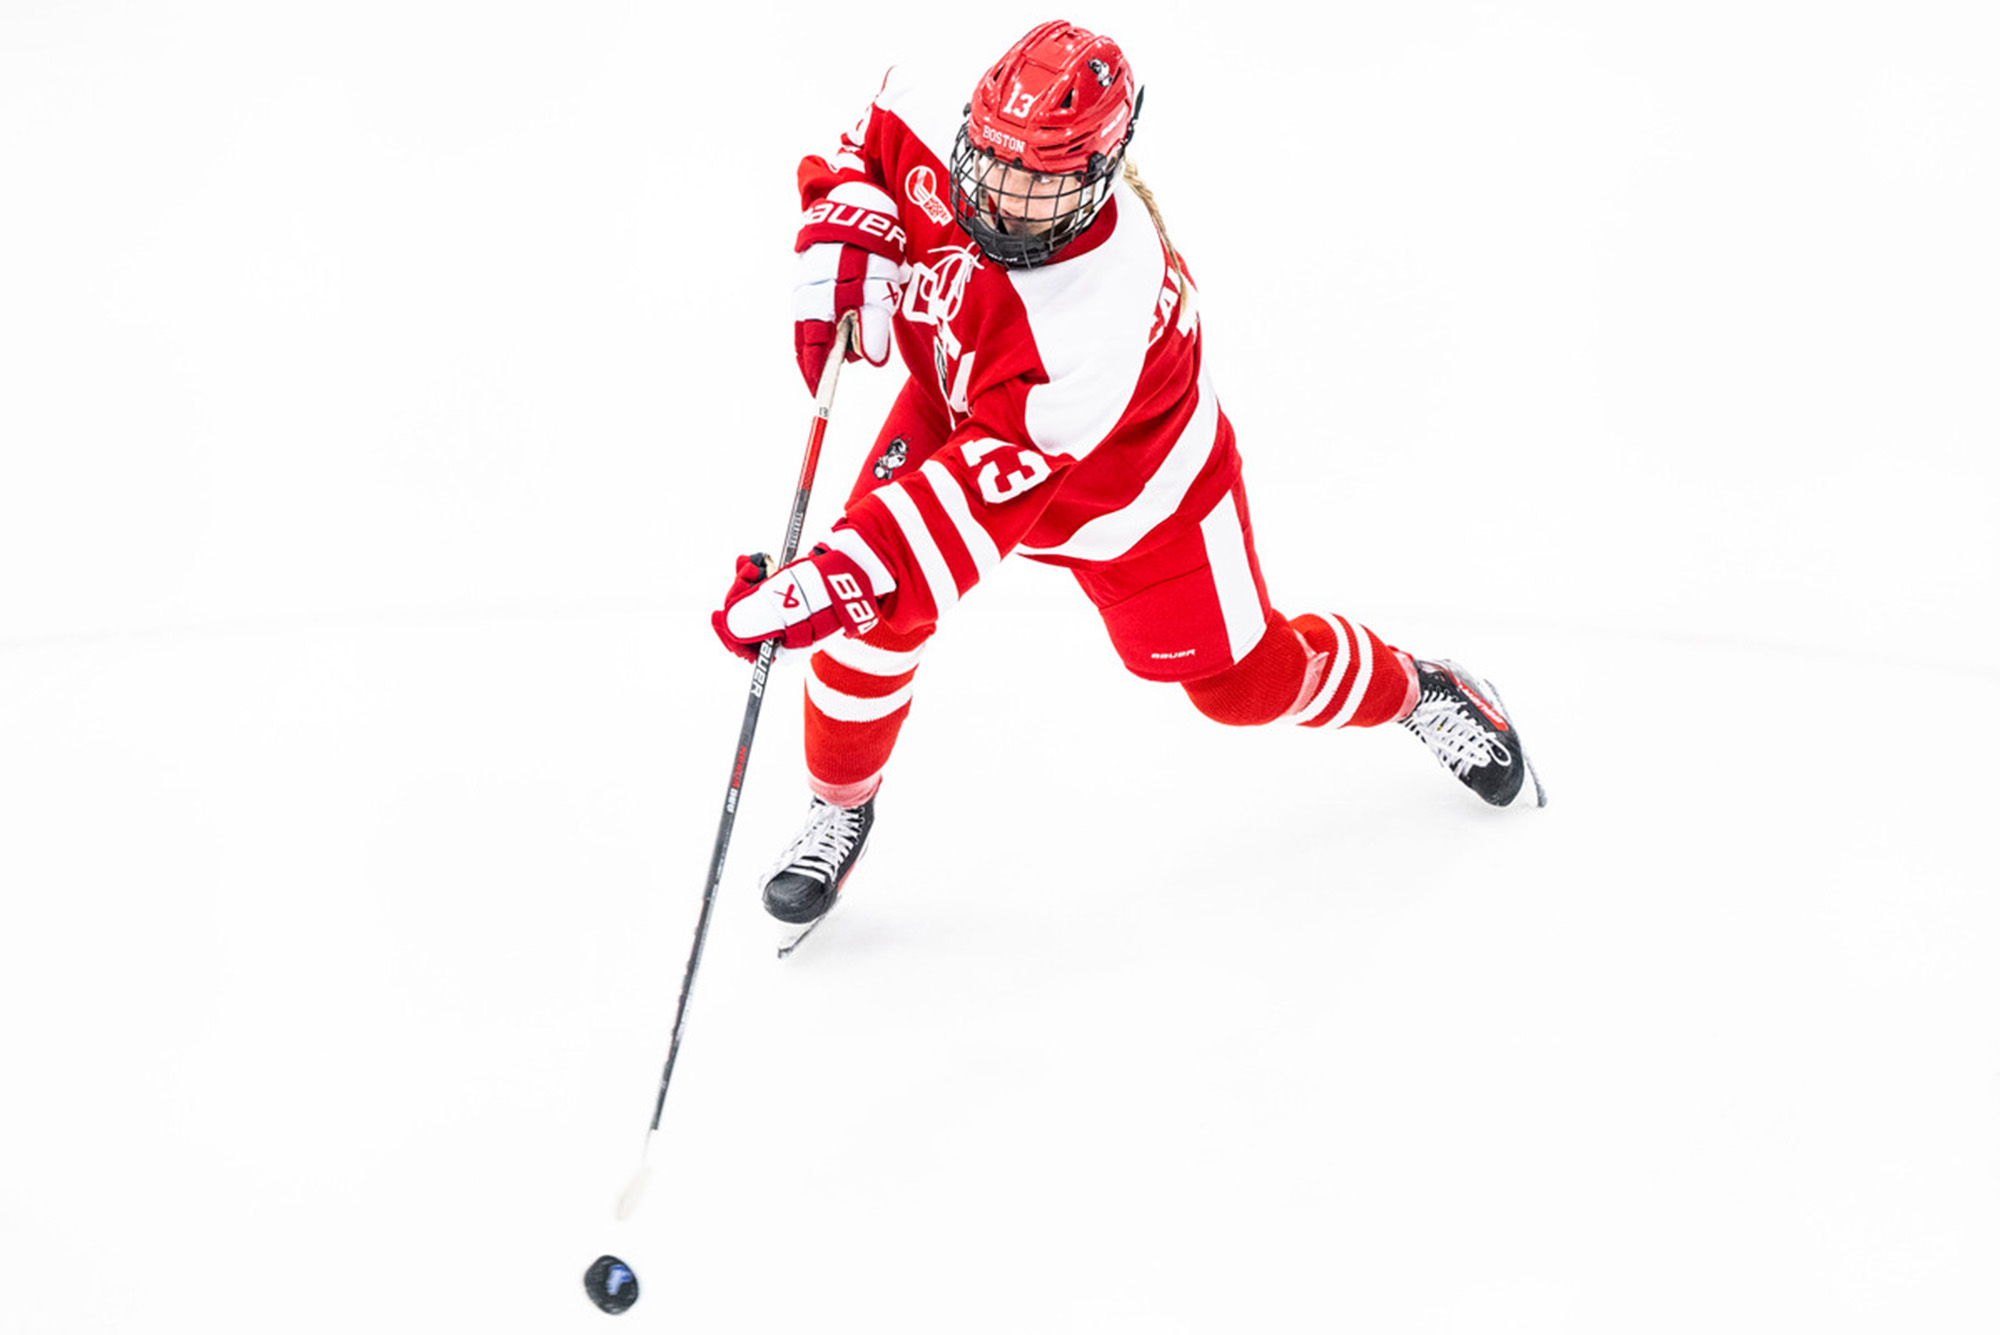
column 752, row 708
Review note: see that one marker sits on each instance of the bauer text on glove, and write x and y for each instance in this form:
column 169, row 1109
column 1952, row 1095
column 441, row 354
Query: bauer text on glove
column 826, row 593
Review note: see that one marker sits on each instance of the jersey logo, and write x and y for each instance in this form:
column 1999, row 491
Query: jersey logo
column 932, row 296
column 936, row 289
column 921, row 186
column 892, row 458
column 955, row 386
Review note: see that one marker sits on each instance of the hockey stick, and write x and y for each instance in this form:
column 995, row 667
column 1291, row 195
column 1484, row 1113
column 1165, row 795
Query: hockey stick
column 843, row 338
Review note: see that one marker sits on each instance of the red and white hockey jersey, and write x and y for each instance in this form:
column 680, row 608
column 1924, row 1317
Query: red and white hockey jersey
column 1082, row 428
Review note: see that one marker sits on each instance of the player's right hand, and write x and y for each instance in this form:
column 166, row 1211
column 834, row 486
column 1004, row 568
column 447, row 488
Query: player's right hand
column 850, row 260
column 824, row 593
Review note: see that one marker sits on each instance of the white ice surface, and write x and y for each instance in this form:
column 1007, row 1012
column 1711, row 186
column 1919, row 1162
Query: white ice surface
column 384, row 390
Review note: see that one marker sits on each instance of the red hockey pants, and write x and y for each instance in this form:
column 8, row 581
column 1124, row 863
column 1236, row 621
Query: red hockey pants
column 1172, row 613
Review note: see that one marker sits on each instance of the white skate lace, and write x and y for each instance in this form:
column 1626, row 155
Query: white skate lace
column 1460, row 741
column 829, row 836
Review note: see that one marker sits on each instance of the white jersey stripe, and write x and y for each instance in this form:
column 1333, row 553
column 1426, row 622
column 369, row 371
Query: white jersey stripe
column 1110, row 536
column 851, row 544
column 844, row 708
column 937, row 574
column 1235, row 585
column 951, row 496
column 1094, row 349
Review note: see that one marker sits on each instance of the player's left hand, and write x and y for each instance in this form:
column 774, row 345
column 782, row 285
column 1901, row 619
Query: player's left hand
column 823, row 594
column 851, row 262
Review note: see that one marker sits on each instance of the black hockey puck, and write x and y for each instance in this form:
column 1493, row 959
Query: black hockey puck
column 611, row 1284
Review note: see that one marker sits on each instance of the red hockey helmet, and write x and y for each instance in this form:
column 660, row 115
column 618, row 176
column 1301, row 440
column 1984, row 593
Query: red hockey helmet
column 1043, row 139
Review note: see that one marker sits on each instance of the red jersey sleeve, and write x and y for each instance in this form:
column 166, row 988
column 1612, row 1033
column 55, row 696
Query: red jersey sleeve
column 944, row 527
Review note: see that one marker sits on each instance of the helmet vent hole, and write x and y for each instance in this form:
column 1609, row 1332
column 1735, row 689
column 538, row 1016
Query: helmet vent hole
column 1068, row 98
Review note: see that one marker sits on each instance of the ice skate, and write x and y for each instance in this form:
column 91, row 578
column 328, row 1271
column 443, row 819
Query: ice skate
column 1462, row 720
column 802, row 886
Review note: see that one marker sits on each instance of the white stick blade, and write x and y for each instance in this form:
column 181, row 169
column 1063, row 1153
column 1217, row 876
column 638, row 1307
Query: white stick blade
column 628, row 1199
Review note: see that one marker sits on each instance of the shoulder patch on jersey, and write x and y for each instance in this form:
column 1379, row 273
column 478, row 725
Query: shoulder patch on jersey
column 920, row 187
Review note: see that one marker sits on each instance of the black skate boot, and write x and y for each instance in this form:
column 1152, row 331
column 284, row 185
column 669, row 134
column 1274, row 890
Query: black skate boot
column 802, row 886
column 1462, row 720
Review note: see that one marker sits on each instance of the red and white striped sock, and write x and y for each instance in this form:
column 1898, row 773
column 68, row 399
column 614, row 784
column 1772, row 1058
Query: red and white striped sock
column 1313, row 671
column 857, row 696
column 1353, row 678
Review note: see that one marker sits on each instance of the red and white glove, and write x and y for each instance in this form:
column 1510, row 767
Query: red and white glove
column 850, row 259
column 822, row 594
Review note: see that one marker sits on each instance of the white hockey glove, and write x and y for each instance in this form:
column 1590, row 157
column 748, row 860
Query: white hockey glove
column 850, row 259
column 823, row 593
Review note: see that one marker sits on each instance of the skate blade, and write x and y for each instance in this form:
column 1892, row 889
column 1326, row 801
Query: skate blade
column 798, row 938
column 1541, row 794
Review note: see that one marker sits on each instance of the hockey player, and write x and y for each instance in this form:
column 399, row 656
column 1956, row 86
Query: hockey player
column 1057, row 408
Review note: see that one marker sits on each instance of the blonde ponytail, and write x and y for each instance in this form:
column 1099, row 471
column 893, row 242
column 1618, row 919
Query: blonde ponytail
column 1145, row 194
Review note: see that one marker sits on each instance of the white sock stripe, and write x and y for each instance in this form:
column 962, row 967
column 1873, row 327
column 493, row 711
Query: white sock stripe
column 851, row 545
column 930, row 561
column 1334, row 672
column 852, row 653
column 844, row 708
column 1229, row 571
column 951, row 498
column 1364, row 658
column 849, row 681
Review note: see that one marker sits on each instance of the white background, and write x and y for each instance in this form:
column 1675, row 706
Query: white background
column 385, row 388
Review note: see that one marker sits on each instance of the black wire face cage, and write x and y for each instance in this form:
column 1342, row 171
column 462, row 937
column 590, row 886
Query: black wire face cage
column 1068, row 202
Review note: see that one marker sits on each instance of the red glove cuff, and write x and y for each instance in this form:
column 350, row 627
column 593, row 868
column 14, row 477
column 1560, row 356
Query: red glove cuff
column 856, row 225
